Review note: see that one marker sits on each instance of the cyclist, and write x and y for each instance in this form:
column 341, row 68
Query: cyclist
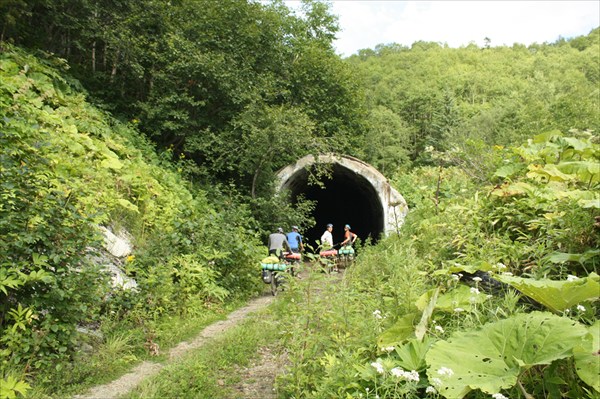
column 277, row 243
column 295, row 240
column 349, row 236
column 327, row 238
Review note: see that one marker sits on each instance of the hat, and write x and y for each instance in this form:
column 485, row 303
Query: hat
column 347, row 227
column 294, row 227
column 329, row 225
column 279, row 230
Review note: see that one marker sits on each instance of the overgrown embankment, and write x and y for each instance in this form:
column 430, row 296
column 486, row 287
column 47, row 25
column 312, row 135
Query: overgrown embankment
column 67, row 168
column 487, row 290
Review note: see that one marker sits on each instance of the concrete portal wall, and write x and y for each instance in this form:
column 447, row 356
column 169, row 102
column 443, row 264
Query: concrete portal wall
column 393, row 203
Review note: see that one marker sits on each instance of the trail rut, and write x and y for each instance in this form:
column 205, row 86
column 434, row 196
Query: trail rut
column 147, row 369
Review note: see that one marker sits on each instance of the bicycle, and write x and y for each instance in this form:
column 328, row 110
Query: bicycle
column 272, row 274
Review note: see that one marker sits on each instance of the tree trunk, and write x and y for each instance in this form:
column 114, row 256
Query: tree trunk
column 113, row 73
column 257, row 173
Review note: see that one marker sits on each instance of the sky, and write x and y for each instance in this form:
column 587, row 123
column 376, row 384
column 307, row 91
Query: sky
column 367, row 23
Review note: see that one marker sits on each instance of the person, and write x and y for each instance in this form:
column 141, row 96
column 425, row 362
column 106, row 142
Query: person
column 278, row 242
column 349, row 236
column 295, row 240
column 327, row 238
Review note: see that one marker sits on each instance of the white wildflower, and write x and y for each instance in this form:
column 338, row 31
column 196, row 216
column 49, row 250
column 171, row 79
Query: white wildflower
column 460, row 275
column 377, row 314
column 458, row 310
column 455, row 277
column 445, row 371
column 507, row 274
column 567, row 310
column 572, row 278
column 436, row 381
column 430, row 389
column 477, row 279
column 412, row 376
column 407, row 375
column 499, row 396
column 489, row 296
column 388, row 349
column 439, row 328
column 378, row 366
column 500, row 265
column 397, row 372
column 581, row 308
column 474, row 291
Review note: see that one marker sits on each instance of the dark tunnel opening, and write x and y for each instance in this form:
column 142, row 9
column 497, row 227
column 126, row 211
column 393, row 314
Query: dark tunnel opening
column 346, row 198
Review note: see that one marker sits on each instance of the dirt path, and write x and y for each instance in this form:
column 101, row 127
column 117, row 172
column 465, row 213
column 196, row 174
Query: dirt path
column 148, row 369
column 258, row 379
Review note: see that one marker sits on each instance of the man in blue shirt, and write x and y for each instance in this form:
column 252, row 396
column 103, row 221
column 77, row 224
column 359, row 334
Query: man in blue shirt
column 295, row 240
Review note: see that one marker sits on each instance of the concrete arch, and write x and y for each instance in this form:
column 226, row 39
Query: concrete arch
column 356, row 193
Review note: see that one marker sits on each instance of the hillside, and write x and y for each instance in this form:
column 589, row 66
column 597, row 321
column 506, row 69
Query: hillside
column 68, row 168
column 496, row 151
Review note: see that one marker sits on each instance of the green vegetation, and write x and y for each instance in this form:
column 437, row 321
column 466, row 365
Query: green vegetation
column 213, row 370
column 168, row 120
column 409, row 306
column 68, row 168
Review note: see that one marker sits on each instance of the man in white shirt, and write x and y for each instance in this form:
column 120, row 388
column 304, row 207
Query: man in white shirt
column 327, row 238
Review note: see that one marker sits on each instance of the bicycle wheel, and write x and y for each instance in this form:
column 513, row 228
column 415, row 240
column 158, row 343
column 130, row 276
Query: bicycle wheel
column 274, row 283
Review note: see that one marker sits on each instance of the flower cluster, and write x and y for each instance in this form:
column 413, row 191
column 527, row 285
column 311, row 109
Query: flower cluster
column 430, row 389
column 407, row 375
column 379, row 367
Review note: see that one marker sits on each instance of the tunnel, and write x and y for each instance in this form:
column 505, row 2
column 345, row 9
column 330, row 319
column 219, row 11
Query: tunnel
column 354, row 193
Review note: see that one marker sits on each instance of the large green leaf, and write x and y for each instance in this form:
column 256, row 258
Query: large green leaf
column 556, row 295
column 421, row 328
column 562, row 257
column 411, row 355
column 587, row 358
column 584, row 170
column 399, row 332
column 491, row 359
column 461, row 297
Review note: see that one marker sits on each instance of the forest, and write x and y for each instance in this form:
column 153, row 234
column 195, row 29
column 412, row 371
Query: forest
column 168, row 121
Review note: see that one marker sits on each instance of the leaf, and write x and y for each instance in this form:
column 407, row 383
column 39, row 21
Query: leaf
column 111, row 163
column 472, row 268
column 421, row 328
column 509, row 190
column 595, row 203
column 587, row 358
column 562, row 257
column 459, row 297
column 550, row 171
column 492, row 358
column 127, row 205
column 10, row 385
column 412, row 354
column 584, row 170
column 509, row 170
column 399, row 332
column 556, row 295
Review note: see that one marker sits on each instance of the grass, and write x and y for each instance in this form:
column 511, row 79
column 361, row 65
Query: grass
column 212, row 371
column 119, row 351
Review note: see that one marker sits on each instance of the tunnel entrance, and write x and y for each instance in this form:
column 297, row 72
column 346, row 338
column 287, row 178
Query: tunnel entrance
column 346, row 198
column 355, row 194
